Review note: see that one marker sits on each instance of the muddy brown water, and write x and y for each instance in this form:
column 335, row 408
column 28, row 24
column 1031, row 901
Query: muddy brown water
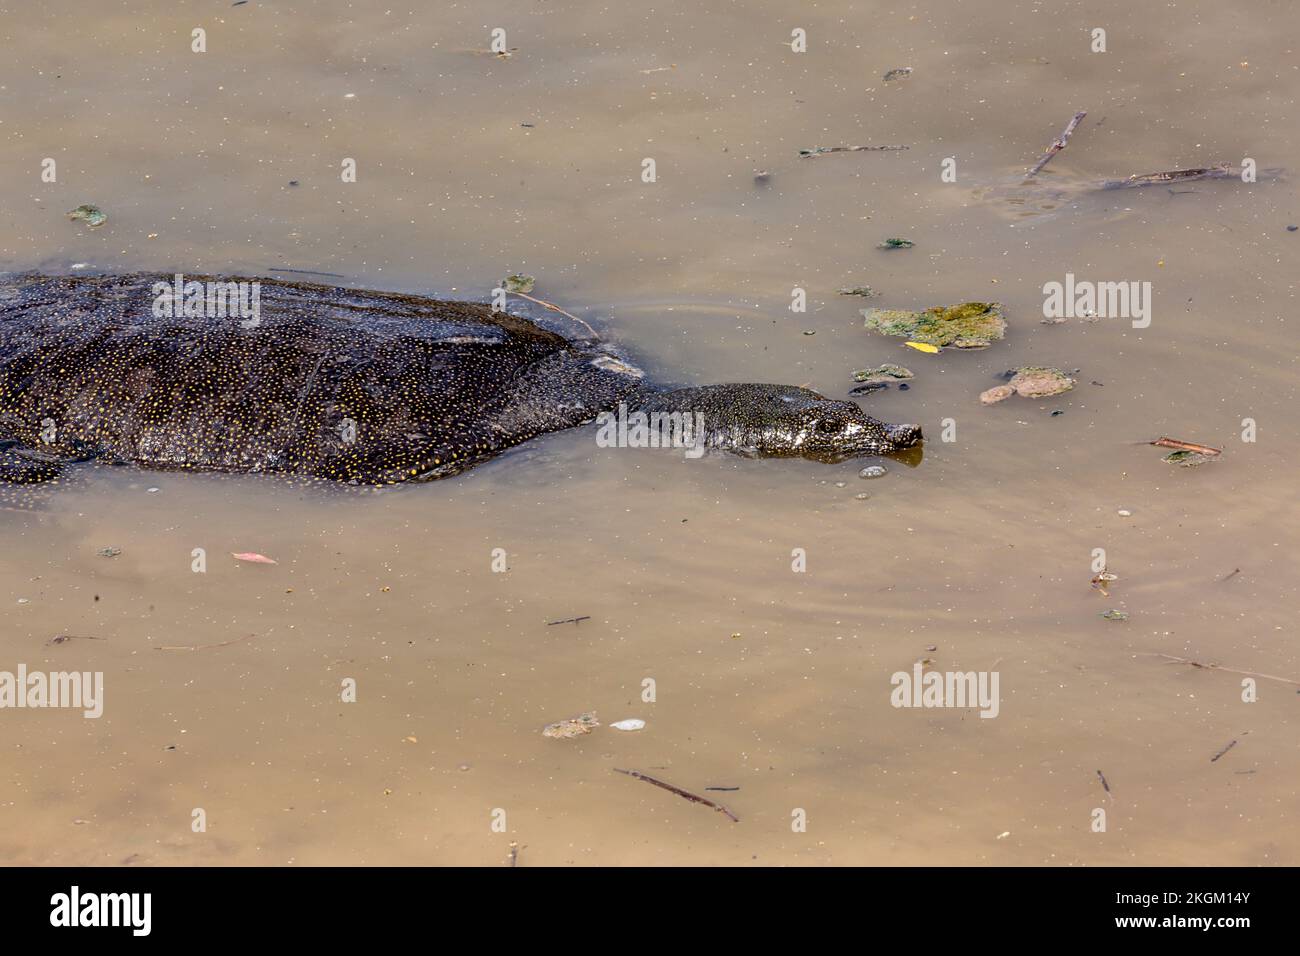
column 775, row 682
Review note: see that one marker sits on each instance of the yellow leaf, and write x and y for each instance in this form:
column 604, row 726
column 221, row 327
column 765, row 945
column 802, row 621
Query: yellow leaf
column 922, row 346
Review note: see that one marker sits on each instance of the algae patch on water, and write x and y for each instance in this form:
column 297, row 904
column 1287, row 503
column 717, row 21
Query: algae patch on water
column 969, row 325
column 882, row 373
column 573, row 727
column 91, row 215
column 1187, row 459
column 1031, row 381
column 518, row 283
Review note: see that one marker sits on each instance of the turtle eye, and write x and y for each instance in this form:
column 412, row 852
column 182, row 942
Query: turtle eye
column 828, row 426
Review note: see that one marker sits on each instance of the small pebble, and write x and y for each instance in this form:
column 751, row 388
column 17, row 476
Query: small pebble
column 1292, row 228
column 1057, row 412
column 872, row 471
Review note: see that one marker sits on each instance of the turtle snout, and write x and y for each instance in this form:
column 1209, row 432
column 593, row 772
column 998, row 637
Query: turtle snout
column 904, row 436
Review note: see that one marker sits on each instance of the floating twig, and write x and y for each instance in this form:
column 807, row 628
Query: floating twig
column 1104, row 785
column 200, row 647
column 1218, row 171
column 685, row 794
column 63, row 638
column 822, row 150
column 556, row 308
column 727, row 789
column 570, row 620
column 1231, row 744
column 1186, row 446
column 1058, row 145
column 1233, row 573
column 306, row 272
column 1212, row 666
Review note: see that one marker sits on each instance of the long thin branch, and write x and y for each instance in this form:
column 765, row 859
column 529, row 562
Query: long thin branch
column 1187, row 446
column 1230, row 670
column 822, row 150
column 556, row 308
column 1058, row 145
column 200, row 647
column 693, row 797
column 1219, row 171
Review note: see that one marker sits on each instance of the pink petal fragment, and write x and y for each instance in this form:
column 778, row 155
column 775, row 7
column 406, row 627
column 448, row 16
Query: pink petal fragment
column 252, row 556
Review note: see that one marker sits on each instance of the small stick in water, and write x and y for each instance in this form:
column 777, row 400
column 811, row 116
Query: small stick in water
column 693, row 797
column 1231, row 744
column 1104, row 785
column 200, row 647
column 571, row 620
column 1220, row 171
column 61, row 638
column 556, row 308
column 306, row 272
column 514, row 853
column 1233, row 573
column 821, row 150
column 1187, row 446
column 1212, row 666
column 1059, row 144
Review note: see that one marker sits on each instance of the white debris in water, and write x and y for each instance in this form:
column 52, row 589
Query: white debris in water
column 1125, row 513
column 631, row 723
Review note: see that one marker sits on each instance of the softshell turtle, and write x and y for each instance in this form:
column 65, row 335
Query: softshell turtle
column 337, row 383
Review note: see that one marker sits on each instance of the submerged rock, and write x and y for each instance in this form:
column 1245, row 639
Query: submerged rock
column 968, row 325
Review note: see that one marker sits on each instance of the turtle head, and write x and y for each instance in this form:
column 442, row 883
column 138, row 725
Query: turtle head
column 786, row 421
column 804, row 423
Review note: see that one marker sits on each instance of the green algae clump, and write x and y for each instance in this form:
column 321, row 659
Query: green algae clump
column 969, row 325
column 518, row 283
column 882, row 373
column 1031, row 381
column 91, row 215
column 1186, row 458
